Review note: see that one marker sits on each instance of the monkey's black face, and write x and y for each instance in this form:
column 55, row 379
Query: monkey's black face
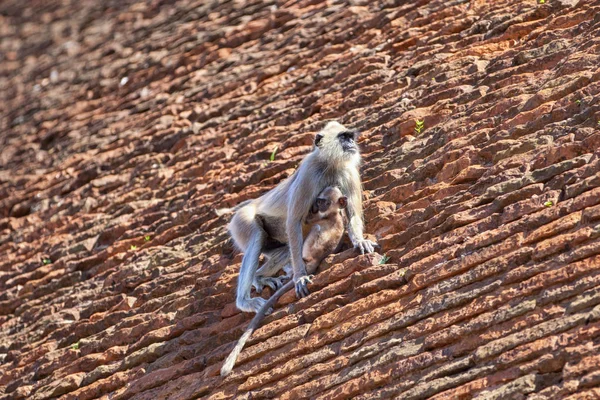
column 322, row 205
column 348, row 141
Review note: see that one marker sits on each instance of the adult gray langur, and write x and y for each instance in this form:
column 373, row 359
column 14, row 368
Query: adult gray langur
column 272, row 224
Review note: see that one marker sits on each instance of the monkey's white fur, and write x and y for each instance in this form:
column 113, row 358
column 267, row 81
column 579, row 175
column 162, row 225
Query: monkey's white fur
column 278, row 214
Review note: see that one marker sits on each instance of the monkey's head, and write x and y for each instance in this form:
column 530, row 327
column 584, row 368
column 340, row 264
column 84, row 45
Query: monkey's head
column 329, row 200
column 335, row 142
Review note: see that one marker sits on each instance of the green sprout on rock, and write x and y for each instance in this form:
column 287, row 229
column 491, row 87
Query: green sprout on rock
column 272, row 158
column 384, row 259
column 419, row 126
column 549, row 203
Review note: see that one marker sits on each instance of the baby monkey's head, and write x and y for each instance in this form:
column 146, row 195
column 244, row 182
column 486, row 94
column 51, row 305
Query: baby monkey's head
column 335, row 142
column 329, row 200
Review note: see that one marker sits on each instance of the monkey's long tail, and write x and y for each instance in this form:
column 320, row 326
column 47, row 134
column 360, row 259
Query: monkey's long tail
column 254, row 324
column 223, row 211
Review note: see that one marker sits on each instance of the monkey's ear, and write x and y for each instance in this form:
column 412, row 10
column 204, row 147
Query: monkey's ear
column 343, row 202
column 318, row 139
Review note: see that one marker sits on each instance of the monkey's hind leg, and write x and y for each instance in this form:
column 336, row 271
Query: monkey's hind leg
column 250, row 236
column 276, row 260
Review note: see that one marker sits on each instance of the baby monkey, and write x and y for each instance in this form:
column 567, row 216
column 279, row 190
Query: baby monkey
column 322, row 229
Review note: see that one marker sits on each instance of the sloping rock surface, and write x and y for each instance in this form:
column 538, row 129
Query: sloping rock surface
column 125, row 124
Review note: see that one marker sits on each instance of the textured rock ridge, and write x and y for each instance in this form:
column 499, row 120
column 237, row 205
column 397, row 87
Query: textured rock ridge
column 125, row 124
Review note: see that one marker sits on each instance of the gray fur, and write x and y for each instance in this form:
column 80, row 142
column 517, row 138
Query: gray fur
column 333, row 162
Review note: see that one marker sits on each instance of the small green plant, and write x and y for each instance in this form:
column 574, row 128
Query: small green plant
column 75, row 346
column 384, row 259
column 542, row 1
column 147, row 238
column 133, row 247
column 549, row 203
column 46, row 261
column 599, row 122
column 272, row 158
column 578, row 102
column 419, row 126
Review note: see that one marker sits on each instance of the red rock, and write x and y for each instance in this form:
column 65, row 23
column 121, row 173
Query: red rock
column 118, row 279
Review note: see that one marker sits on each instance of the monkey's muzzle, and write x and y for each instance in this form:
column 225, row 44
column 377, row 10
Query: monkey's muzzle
column 348, row 141
column 350, row 147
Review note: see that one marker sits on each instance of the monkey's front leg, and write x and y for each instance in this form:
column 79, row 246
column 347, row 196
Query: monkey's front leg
column 355, row 230
column 301, row 279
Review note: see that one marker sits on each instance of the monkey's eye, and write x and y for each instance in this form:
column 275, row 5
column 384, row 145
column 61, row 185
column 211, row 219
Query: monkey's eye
column 346, row 135
column 318, row 139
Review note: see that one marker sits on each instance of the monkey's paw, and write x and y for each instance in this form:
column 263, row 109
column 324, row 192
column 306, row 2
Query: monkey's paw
column 365, row 246
column 250, row 305
column 301, row 286
column 274, row 282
